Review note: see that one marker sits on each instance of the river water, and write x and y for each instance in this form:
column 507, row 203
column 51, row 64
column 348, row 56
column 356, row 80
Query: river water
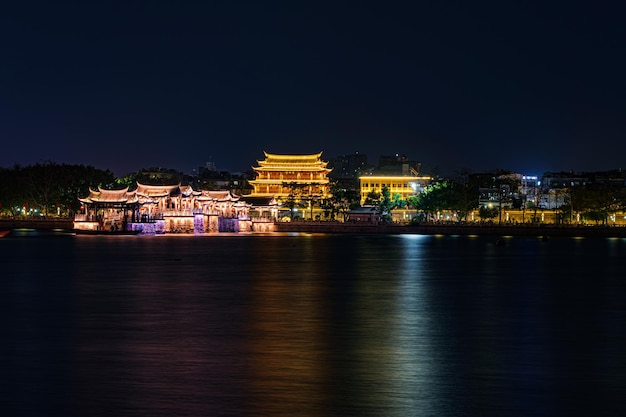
column 311, row 325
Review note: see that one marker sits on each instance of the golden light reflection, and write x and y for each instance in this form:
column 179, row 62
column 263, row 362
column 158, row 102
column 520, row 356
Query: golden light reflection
column 288, row 356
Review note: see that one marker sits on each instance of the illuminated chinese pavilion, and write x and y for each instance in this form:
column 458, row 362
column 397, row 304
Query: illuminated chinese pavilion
column 279, row 175
column 112, row 209
column 157, row 209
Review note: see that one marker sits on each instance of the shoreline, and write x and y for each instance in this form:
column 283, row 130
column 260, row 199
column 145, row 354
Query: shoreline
column 456, row 229
column 370, row 228
column 43, row 224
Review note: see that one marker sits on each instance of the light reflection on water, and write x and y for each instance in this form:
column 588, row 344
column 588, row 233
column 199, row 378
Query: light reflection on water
column 312, row 325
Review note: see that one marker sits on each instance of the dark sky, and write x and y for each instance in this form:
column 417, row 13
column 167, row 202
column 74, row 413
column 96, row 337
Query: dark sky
column 530, row 87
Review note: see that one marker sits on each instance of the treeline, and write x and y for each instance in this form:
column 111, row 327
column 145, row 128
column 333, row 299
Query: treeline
column 458, row 195
column 593, row 201
column 49, row 189
column 52, row 189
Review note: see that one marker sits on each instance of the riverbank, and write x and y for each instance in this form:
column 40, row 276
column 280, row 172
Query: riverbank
column 44, row 224
column 369, row 228
column 454, row 229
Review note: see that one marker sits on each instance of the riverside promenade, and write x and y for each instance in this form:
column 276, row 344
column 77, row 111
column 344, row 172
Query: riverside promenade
column 543, row 230
column 453, row 229
column 44, row 224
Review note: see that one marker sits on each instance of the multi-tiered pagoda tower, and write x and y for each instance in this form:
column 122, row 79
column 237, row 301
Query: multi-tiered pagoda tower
column 280, row 175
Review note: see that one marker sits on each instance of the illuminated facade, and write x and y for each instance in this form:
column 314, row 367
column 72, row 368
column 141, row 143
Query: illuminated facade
column 155, row 209
column 107, row 210
column 280, row 175
column 406, row 186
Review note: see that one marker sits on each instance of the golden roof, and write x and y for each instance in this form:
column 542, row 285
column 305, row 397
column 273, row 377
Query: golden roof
column 307, row 162
column 273, row 157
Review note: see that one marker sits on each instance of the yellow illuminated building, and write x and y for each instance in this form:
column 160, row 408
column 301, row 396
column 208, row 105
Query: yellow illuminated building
column 404, row 185
column 280, row 175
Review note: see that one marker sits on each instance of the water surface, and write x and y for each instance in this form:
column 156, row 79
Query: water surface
column 311, row 325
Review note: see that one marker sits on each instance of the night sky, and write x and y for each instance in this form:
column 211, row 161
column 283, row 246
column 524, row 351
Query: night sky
column 529, row 87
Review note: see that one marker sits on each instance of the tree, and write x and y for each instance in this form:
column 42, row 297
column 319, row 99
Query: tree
column 385, row 205
column 75, row 181
column 428, row 201
column 341, row 201
column 487, row 213
column 42, row 186
column 465, row 192
column 50, row 188
column 398, row 202
column 292, row 199
column 11, row 187
column 291, row 203
column 296, row 196
column 447, row 195
column 597, row 201
column 372, row 198
column 159, row 176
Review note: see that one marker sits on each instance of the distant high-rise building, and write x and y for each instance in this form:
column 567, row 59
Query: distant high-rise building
column 397, row 165
column 209, row 168
column 348, row 166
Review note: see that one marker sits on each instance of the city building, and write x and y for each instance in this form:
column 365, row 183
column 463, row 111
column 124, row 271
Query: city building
column 552, row 180
column 263, row 207
column 367, row 214
column 555, row 187
column 283, row 175
column 348, row 166
column 500, row 189
column 397, row 165
column 530, row 190
column 405, row 186
column 496, row 197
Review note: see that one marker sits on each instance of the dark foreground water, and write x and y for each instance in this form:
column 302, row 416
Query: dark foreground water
column 299, row 325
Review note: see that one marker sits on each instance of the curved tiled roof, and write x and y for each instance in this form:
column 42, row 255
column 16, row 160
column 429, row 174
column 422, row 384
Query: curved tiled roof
column 110, row 196
column 157, row 190
column 308, row 163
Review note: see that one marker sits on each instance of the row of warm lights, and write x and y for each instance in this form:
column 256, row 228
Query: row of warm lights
column 28, row 212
